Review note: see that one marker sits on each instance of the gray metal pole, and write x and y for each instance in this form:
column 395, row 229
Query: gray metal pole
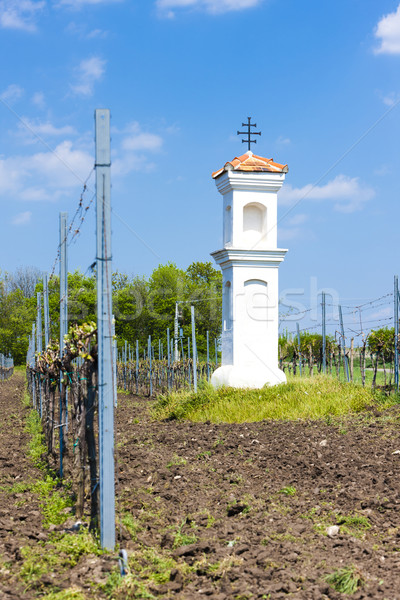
column 125, row 358
column 63, row 319
column 323, row 332
column 115, row 352
column 299, row 345
column 216, row 352
column 46, row 310
column 208, row 356
column 33, row 364
column 346, row 362
column 396, row 332
column 104, row 328
column 150, row 366
column 194, row 349
column 63, row 280
column 39, row 343
column 169, row 359
column 137, row 366
column 176, row 325
column 189, row 374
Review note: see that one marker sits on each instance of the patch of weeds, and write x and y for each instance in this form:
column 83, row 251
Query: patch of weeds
column 35, row 564
column 17, row 488
column 62, row 552
column 183, row 539
column 147, row 566
column 123, row 392
column 235, row 508
column 37, row 447
column 74, row 545
column 54, row 503
column 176, row 461
column 70, row 594
column 346, row 580
column 220, row 567
column 288, row 491
column 218, row 442
column 235, row 478
column 205, row 454
column 132, row 525
column 281, row 537
column 130, row 586
column 210, row 521
column 353, row 524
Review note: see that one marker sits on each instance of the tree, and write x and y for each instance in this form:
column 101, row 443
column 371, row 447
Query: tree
column 24, row 279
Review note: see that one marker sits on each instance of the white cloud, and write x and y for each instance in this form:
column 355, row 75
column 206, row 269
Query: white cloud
column 388, row 33
column 131, row 162
column 20, row 14
column 293, row 229
column 22, row 218
column 12, row 93
column 44, row 176
column 89, row 71
column 166, row 7
column 284, row 141
column 383, row 170
column 81, row 30
column 391, row 99
column 346, row 193
column 44, row 129
column 134, row 146
column 77, row 4
column 142, row 141
column 38, row 100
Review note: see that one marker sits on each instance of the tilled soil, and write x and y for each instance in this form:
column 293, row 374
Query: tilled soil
column 257, row 500
column 226, row 511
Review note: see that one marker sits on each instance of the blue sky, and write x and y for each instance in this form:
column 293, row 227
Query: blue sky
column 320, row 79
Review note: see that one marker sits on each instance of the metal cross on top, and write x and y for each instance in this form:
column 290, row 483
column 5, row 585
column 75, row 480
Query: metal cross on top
column 249, row 132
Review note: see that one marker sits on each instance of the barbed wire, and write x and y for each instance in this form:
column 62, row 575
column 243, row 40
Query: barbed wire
column 80, row 214
column 319, row 326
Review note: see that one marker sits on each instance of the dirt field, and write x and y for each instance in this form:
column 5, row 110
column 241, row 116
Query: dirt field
column 227, row 512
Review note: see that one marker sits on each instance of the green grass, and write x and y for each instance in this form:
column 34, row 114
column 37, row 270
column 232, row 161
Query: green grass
column 288, row 490
column 306, row 398
column 345, row 581
column 37, row 447
column 70, row 594
column 61, row 553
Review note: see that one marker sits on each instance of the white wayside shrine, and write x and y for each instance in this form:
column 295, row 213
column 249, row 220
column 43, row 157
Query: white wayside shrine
column 249, row 261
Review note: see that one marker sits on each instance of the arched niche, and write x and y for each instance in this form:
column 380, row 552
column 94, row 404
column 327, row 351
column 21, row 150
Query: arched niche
column 254, row 223
column 256, row 295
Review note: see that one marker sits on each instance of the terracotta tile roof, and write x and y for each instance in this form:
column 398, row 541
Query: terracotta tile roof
column 250, row 162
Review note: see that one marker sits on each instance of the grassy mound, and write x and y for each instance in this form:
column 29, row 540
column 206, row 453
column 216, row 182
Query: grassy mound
column 306, row 398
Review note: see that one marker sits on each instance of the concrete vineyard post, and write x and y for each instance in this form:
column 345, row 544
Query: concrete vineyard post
column 194, row 349
column 208, row 356
column 104, row 328
column 345, row 360
column 46, row 310
column 39, row 341
column 396, row 332
column 299, row 347
column 63, row 324
column 323, row 332
column 169, row 360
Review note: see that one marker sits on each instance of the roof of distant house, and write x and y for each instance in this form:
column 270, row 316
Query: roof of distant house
column 249, row 162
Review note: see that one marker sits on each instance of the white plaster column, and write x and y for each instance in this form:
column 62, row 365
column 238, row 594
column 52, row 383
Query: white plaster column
column 249, row 262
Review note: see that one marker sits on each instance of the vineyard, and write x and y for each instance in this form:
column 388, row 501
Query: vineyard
column 125, row 474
